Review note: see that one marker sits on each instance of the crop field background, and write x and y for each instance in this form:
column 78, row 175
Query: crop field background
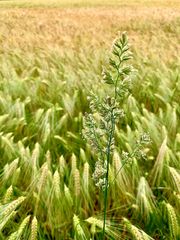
column 51, row 57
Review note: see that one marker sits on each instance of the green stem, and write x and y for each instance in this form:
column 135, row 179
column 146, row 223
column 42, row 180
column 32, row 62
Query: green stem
column 108, row 152
column 108, row 155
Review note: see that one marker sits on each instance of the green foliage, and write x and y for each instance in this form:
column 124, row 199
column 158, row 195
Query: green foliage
column 46, row 185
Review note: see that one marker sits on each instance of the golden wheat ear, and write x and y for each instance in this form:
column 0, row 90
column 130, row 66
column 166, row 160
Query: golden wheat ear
column 172, row 221
column 79, row 232
column 34, row 229
column 136, row 233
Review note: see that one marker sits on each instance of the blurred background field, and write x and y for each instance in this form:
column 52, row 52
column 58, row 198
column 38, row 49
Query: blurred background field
column 51, row 55
column 89, row 3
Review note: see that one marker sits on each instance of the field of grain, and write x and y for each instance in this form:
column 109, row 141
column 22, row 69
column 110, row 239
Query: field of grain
column 51, row 58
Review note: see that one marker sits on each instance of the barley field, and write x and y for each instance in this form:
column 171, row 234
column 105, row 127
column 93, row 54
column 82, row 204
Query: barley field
column 52, row 54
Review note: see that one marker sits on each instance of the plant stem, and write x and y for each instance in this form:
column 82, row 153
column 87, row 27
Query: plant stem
column 108, row 156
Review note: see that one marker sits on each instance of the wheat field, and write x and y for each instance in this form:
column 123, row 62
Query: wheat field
column 52, row 55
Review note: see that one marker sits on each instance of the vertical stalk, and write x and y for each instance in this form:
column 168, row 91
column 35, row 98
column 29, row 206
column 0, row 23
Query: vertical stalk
column 108, row 156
